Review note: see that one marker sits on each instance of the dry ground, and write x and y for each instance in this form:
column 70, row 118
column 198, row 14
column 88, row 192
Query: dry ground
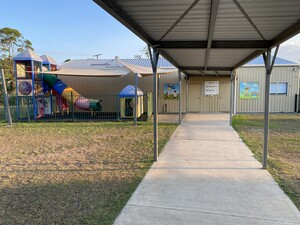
column 72, row 173
column 284, row 147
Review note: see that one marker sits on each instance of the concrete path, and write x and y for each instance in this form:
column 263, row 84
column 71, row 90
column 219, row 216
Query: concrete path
column 207, row 175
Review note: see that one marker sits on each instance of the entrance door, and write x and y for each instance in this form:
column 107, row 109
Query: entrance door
column 225, row 97
column 194, row 97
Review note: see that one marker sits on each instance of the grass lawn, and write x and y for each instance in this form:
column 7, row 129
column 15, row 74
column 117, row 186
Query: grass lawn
column 284, row 147
column 72, row 173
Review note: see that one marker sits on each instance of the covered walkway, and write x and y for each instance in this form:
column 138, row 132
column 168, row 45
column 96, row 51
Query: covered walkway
column 207, row 175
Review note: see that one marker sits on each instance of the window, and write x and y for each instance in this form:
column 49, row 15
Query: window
column 278, row 88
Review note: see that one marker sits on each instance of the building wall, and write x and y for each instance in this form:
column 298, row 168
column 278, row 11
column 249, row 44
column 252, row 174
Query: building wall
column 107, row 90
column 278, row 102
column 199, row 102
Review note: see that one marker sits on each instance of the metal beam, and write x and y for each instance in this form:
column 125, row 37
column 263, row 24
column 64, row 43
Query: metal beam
column 114, row 9
column 203, row 68
column 201, row 72
column 168, row 57
column 212, row 22
column 247, row 44
column 180, row 18
column 248, row 58
column 286, row 34
column 249, row 19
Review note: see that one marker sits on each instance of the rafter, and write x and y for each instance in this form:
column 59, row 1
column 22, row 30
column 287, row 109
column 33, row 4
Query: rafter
column 203, row 68
column 248, row 18
column 212, row 22
column 247, row 44
column 180, row 18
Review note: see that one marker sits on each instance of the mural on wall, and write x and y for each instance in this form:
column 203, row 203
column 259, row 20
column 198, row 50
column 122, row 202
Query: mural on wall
column 171, row 91
column 249, row 90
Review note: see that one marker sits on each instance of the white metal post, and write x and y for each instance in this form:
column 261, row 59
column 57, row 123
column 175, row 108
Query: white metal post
column 179, row 99
column 269, row 66
column 187, row 95
column 235, row 94
column 154, row 62
column 231, row 98
column 136, row 98
column 7, row 108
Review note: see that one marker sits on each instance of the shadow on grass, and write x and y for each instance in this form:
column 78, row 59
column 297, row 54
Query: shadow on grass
column 76, row 202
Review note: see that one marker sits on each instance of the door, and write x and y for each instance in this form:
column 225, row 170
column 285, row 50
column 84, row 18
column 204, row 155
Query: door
column 194, row 97
column 225, row 96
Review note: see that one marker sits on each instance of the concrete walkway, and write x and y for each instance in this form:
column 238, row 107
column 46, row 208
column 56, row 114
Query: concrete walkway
column 207, row 175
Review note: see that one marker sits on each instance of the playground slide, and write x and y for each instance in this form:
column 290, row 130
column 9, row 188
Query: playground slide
column 71, row 95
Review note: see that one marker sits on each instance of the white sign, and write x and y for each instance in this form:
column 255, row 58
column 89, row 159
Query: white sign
column 211, row 87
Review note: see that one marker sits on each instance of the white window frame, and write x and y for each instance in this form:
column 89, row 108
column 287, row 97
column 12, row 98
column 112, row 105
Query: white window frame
column 276, row 83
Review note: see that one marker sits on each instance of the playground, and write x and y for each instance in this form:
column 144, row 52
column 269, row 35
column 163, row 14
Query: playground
column 72, row 173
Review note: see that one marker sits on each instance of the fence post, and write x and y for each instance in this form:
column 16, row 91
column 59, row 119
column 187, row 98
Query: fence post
column 296, row 103
column 118, row 107
column 28, row 109
column 72, row 106
column 6, row 105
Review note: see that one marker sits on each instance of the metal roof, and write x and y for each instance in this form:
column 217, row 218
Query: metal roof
column 106, row 63
column 259, row 61
column 48, row 60
column 198, row 36
column 28, row 55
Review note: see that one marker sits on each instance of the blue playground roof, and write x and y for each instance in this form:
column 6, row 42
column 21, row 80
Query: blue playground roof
column 129, row 91
column 48, row 60
column 27, row 55
column 260, row 61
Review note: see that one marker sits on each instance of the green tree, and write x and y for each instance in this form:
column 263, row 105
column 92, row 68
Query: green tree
column 11, row 43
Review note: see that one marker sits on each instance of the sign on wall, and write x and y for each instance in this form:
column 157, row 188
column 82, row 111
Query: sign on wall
column 171, row 91
column 249, row 90
column 211, row 87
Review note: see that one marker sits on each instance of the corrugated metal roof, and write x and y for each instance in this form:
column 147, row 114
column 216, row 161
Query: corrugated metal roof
column 48, row 60
column 279, row 61
column 203, row 35
column 112, row 63
column 28, row 55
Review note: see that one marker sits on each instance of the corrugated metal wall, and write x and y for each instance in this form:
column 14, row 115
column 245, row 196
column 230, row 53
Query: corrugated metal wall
column 199, row 102
column 108, row 88
column 278, row 103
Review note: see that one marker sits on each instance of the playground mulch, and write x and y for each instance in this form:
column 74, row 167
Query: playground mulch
column 72, row 173
column 284, row 147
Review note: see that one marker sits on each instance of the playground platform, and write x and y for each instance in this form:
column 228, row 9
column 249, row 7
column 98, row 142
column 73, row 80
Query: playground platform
column 207, row 175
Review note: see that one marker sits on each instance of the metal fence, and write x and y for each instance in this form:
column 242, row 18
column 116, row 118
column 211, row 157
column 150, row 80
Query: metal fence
column 73, row 108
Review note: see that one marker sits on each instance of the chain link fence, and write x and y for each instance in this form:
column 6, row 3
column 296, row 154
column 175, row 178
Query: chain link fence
column 92, row 108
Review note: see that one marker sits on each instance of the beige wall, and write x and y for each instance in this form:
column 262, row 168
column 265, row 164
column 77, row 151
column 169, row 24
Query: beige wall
column 278, row 103
column 107, row 89
column 199, row 102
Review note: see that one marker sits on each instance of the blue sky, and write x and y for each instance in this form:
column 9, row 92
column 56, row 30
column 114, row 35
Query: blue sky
column 69, row 29
column 79, row 29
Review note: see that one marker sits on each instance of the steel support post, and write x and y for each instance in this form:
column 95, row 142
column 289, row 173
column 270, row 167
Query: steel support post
column 231, row 98
column 154, row 60
column 179, row 99
column 136, row 98
column 269, row 66
column 187, row 95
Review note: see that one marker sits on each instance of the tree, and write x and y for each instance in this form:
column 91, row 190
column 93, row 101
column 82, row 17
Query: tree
column 143, row 53
column 11, row 43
